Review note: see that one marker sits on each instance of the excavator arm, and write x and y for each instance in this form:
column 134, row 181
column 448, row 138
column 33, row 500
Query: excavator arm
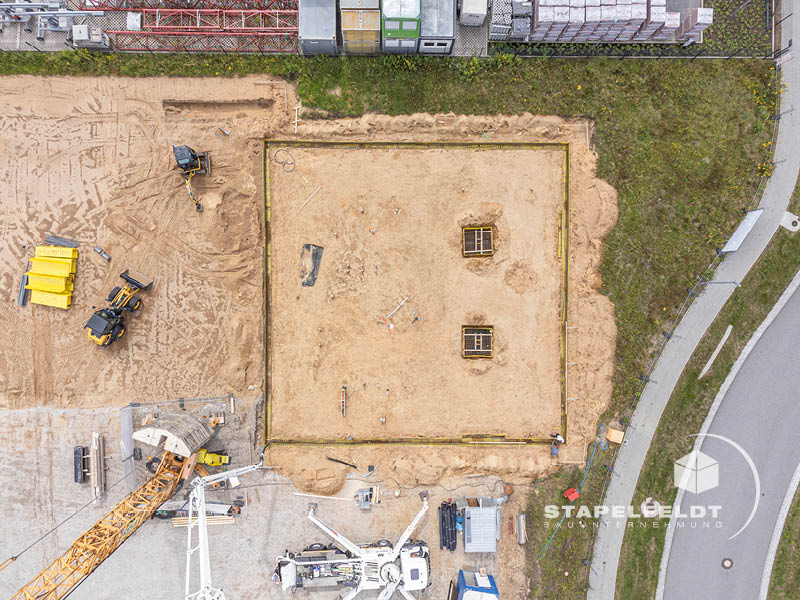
column 98, row 543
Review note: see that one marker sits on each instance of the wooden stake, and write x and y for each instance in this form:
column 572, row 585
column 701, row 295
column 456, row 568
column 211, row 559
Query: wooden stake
column 389, row 316
column 311, row 196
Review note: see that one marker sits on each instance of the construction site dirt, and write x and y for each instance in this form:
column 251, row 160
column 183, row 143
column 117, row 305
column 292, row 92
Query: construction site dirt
column 92, row 161
column 390, row 222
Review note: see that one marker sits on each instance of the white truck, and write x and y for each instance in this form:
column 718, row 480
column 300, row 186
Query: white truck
column 403, row 567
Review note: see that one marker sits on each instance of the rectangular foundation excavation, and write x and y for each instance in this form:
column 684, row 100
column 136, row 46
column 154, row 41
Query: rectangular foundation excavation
column 418, row 245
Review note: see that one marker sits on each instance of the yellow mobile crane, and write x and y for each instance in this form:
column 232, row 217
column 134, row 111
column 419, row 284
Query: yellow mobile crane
column 104, row 537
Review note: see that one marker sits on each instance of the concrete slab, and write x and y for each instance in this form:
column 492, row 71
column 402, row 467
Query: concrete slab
column 38, row 492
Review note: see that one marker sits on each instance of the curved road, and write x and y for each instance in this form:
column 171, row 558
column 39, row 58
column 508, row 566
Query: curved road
column 702, row 312
column 761, row 413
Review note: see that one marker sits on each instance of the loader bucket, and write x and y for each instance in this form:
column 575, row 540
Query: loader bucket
column 135, row 283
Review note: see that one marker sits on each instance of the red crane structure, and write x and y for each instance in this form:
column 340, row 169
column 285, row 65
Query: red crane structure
column 256, row 26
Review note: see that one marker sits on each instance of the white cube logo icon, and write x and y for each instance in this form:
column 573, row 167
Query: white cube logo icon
column 696, row 472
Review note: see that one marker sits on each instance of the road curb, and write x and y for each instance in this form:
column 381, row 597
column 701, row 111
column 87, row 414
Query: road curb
column 723, row 390
column 777, row 532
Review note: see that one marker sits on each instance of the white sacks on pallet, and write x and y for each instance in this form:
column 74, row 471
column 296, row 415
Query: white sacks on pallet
column 583, row 21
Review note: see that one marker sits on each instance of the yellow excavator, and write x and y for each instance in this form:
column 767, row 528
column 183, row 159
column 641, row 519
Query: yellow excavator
column 192, row 163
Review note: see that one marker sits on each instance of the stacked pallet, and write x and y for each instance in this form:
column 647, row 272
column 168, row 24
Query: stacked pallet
column 593, row 21
column 500, row 22
column 672, row 22
column 656, row 17
column 695, row 23
column 521, row 13
column 50, row 279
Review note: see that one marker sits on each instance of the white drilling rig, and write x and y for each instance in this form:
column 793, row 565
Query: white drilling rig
column 403, row 566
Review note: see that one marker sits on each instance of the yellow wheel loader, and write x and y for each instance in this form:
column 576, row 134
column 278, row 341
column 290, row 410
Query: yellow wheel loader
column 107, row 325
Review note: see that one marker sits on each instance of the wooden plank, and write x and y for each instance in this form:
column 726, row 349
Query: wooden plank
column 212, row 520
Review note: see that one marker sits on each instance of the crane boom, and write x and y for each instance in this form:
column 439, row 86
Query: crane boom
column 197, row 504
column 99, row 542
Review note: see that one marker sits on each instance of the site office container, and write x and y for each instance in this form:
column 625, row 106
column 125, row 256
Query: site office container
column 317, row 27
column 473, row 12
column 361, row 26
column 438, row 27
column 400, row 24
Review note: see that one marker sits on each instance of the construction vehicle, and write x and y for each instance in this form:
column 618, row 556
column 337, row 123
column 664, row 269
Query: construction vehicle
column 192, row 163
column 198, row 508
column 58, row 579
column 403, row 567
column 212, row 459
column 107, row 325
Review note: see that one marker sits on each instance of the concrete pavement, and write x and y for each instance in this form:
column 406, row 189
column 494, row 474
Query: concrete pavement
column 702, row 312
column 760, row 413
column 38, row 492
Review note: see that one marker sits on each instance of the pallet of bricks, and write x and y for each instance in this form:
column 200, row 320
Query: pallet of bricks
column 51, row 277
column 594, row 21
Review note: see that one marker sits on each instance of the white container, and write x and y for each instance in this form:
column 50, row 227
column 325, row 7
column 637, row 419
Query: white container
column 473, row 12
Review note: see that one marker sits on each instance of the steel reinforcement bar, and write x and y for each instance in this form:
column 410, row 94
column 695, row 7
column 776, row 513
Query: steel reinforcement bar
column 495, row 440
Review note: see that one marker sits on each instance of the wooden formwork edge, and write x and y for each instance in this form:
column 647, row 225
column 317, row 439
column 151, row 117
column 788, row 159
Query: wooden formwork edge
column 562, row 249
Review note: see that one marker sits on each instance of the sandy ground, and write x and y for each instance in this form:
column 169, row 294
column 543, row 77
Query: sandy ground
column 91, row 159
column 591, row 334
column 386, row 238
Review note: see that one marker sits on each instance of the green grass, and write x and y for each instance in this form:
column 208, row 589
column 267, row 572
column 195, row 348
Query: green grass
column 547, row 576
column 679, row 140
column 560, row 572
column 738, row 26
column 785, row 575
column 688, row 408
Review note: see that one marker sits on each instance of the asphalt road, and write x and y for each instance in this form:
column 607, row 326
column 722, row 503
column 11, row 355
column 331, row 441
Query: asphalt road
column 692, row 328
column 761, row 413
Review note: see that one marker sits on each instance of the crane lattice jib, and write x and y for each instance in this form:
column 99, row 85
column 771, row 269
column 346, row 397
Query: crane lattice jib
column 105, row 536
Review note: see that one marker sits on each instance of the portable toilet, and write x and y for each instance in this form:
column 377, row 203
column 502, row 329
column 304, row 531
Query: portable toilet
column 361, row 26
column 438, row 27
column 400, row 26
column 317, row 27
column 474, row 586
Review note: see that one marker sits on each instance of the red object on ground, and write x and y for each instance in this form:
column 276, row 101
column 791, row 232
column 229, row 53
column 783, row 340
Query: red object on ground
column 572, row 494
